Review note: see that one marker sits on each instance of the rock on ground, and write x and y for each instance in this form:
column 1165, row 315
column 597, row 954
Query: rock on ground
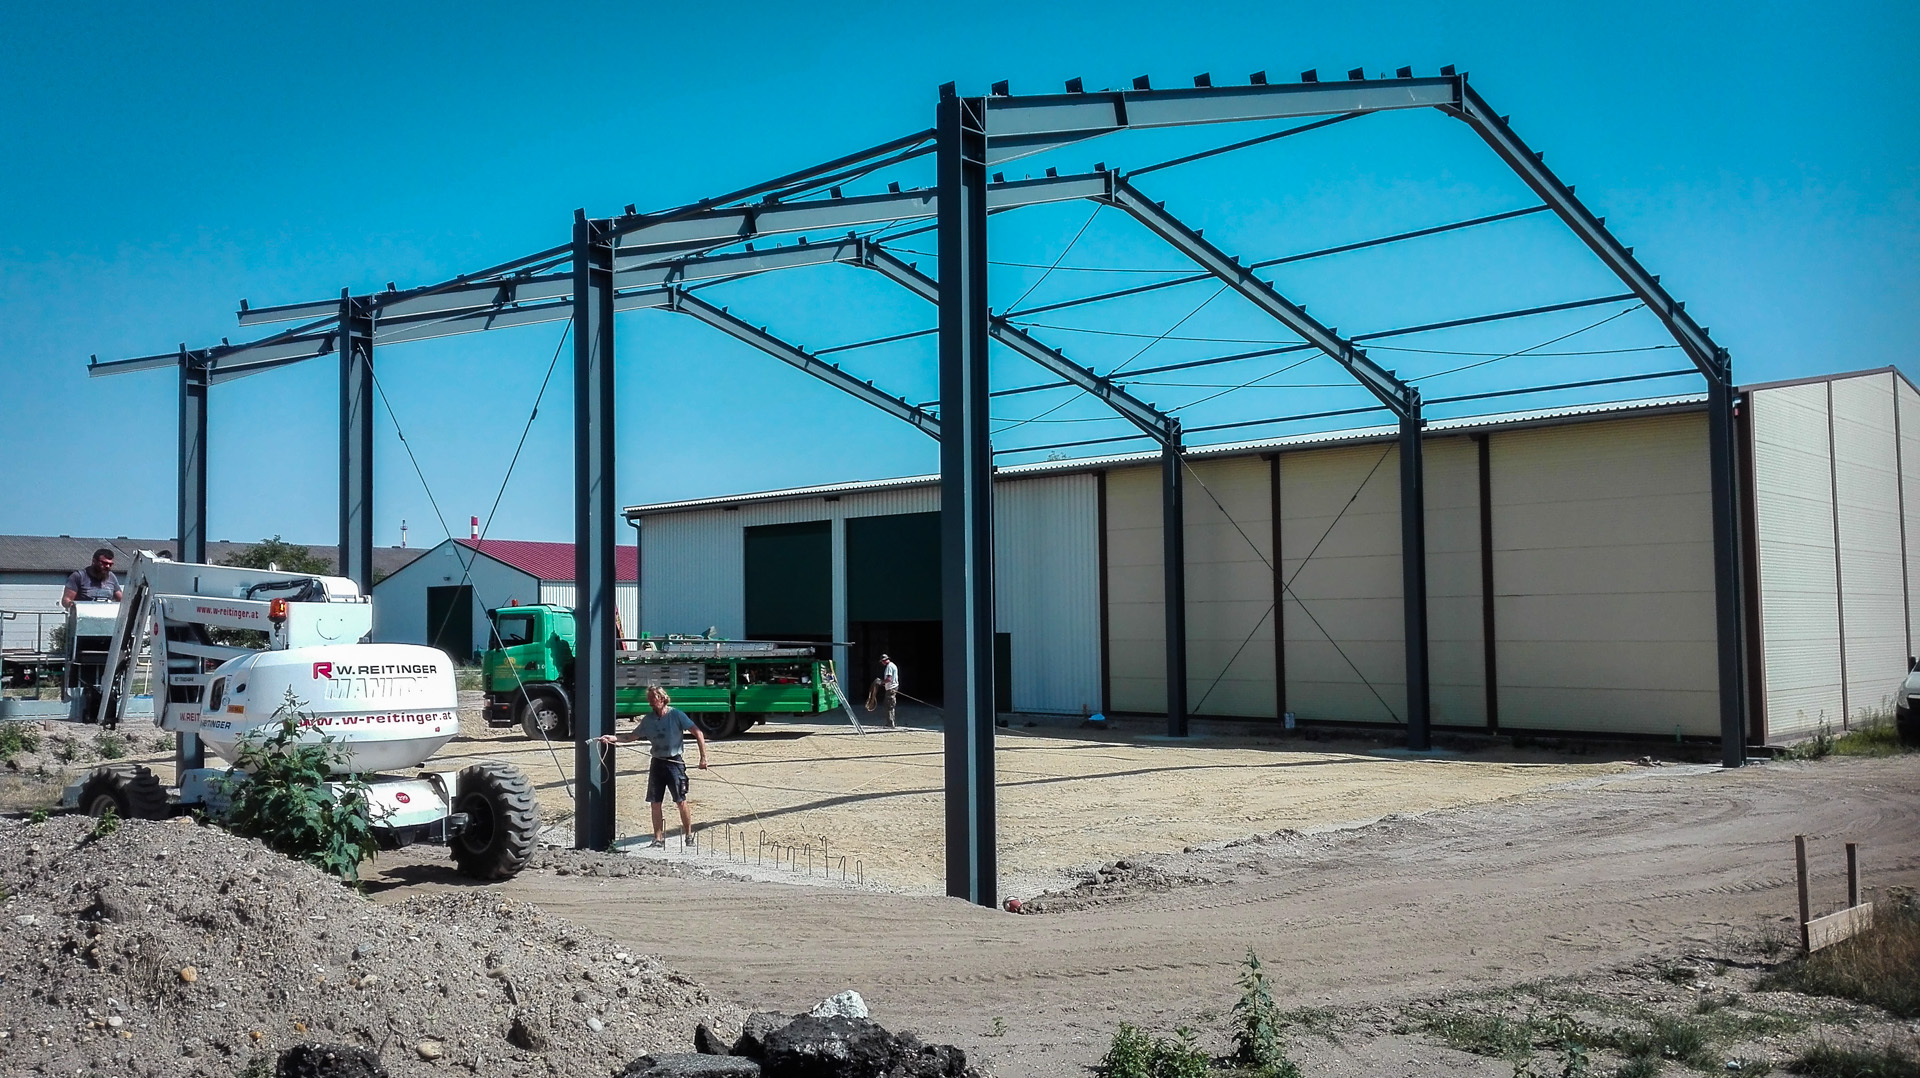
column 98, row 931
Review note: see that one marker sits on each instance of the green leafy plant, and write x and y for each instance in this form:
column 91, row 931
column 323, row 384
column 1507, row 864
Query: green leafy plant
column 1820, row 745
column 999, row 1028
column 291, row 800
column 1258, row 1043
column 1135, row 1054
column 112, row 746
column 106, row 823
column 16, row 738
column 38, row 815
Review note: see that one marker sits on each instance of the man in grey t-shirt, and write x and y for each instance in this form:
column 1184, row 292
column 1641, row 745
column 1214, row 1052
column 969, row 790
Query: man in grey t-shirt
column 95, row 583
column 665, row 728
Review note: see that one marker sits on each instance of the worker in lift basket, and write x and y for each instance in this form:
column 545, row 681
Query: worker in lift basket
column 666, row 728
column 94, row 584
column 888, row 685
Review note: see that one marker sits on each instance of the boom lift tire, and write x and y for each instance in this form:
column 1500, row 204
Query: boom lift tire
column 717, row 725
column 131, row 791
column 502, row 821
column 544, row 717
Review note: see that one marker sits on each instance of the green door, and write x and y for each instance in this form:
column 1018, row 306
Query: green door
column 450, row 621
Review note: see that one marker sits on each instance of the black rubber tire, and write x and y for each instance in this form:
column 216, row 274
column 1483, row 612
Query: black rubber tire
column 548, row 709
column 503, row 821
column 130, row 790
column 716, row 725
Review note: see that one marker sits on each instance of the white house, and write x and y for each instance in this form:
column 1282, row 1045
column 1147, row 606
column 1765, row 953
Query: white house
column 442, row 598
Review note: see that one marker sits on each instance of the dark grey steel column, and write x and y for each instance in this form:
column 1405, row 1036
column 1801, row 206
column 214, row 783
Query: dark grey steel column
column 191, row 522
column 1726, row 567
column 356, row 441
column 1413, row 575
column 966, row 499
column 1173, row 535
column 594, row 532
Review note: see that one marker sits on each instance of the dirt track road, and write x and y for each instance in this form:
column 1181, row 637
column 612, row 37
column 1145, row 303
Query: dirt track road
column 1558, row 882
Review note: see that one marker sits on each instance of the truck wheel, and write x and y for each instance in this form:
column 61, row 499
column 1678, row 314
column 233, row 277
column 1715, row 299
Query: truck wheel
column 502, row 821
column 544, row 717
column 716, row 725
column 131, row 791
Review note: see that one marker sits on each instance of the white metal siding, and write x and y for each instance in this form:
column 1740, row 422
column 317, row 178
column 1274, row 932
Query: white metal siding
column 1047, row 589
column 400, row 601
column 36, row 609
column 1456, row 649
column 1867, row 492
column 1603, row 574
column 1907, row 399
column 626, row 598
column 1345, row 622
column 692, row 564
column 1793, row 514
column 1230, row 615
column 1136, row 623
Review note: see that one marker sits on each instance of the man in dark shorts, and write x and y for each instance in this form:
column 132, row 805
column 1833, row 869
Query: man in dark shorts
column 666, row 728
column 94, row 584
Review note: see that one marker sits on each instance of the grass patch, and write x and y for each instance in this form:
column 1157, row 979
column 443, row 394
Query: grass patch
column 1875, row 737
column 1671, row 1038
column 1825, row 1060
column 16, row 738
column 111, row 746
column 1880, row 966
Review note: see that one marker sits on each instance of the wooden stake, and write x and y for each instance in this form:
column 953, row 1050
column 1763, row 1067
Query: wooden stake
column 1853, row 874
column 1800, row 869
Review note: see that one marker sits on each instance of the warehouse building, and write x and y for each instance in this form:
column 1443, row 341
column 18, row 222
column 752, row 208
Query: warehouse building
column 1569, row 570
column 442, row 598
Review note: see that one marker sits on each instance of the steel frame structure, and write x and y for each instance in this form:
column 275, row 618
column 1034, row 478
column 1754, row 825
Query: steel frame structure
column 635, row 261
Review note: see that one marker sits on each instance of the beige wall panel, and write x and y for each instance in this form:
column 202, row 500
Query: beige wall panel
column 1456, row 657
column 1605, row 624
column 1867, row 489
column 1907, row 399
column 1793, row 514
column 1350, row 587
column 1136, row 620
column 1230, row 588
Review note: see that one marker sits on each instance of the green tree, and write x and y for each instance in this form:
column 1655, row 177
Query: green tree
column 290, row 557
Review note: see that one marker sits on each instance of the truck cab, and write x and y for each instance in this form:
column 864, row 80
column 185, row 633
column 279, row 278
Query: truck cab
column 531, row 659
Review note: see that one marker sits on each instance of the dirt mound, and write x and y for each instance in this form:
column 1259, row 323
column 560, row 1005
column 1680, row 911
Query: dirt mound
column 175, row 949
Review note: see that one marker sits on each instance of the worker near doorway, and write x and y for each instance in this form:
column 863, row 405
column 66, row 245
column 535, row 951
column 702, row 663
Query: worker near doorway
column 887, row 685
column 94, row 584
column 666, row 729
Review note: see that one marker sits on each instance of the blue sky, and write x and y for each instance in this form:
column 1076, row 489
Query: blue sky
column 164, row 161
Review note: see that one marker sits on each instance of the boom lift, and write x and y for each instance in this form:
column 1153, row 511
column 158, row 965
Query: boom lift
column 227, row 646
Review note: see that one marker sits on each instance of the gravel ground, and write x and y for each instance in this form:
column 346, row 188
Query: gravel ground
column 171, row 948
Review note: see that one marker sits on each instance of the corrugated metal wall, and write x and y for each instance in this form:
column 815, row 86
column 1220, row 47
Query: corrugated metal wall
column 1047, row 547
column 1603, row 577
column 1136, row 625
column 1456, row 637
column 1793, row 525
column 1230, row 614
column 36, row 609
column 626, row 598
column 1345, row 639
column 1867, row 493
column 1047, row 589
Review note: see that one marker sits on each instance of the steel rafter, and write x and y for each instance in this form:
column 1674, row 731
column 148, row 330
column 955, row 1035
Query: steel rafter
column 1401, row 398
column 720, row 319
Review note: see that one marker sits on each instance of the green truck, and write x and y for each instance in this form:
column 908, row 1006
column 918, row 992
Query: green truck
column 726, row 686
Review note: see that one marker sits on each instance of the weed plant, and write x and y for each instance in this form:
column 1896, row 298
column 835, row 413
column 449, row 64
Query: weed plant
column 291, row 801
column 1137, row 1054
column 1880, row 966
column 1258, row 1044
column 1825, row 1060
column 112, row 746
column 16, row 738
column 106, row 823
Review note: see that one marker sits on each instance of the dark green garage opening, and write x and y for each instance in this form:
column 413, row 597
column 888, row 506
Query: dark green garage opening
column 789, row 581
column 893, row 601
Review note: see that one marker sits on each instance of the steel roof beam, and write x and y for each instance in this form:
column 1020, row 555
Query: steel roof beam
column 1029, row 124
column 1592, row 231
column 718, row 317
column 1395, row 394
column 1160, row 426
